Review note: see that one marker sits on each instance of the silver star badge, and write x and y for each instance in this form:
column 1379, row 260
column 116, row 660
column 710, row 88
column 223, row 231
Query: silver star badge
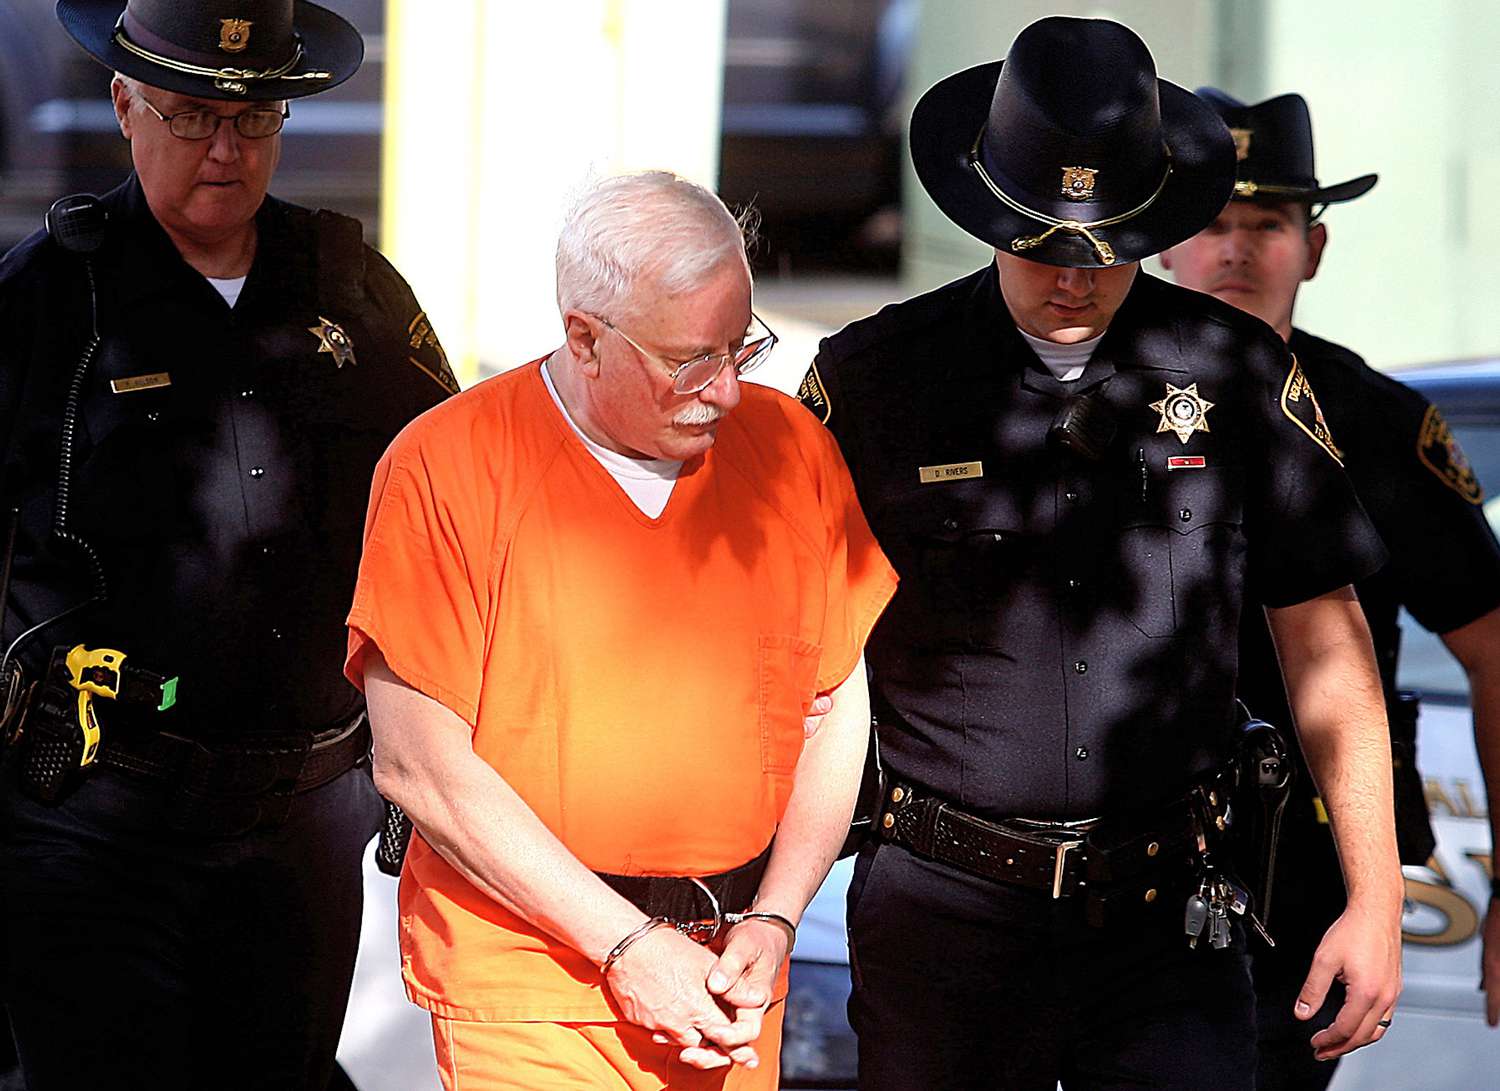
column 333, row 340
column 1183, row 412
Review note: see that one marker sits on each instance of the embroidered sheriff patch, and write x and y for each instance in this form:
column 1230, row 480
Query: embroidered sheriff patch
column 332, row 339
column 1438, row 450
column 1301, row 408
column 813, row 394
column 425, row 351
column 1183, row 411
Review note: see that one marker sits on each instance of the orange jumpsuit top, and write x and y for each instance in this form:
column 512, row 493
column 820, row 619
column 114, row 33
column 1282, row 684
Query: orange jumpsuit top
column 640, row 682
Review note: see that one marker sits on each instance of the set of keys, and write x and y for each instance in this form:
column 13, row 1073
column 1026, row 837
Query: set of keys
column 1207, row 912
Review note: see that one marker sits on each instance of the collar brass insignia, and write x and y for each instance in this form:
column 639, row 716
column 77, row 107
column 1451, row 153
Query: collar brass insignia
column 1183, row 412
column 333, row 340
column 234, row 35
column 1078, row 183
column 1241, row 143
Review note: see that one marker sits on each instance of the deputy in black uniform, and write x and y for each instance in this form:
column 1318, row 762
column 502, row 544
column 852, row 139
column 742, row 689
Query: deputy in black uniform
column 196, row 383
column 1423, row 498
column 1083, row 475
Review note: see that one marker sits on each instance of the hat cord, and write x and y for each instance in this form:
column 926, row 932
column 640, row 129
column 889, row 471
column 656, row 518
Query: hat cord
column 1078, row 227
column 233, row 80
column 1247, row 188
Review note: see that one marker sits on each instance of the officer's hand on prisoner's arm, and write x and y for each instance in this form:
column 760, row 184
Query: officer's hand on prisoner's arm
column 821, row 706
column 659, row 983
column 1363, row 950
column 1489, row 964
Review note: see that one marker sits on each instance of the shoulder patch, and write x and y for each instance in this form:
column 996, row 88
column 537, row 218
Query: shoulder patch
column 425, row 351
column 814, row 395
column 1300, row 405
column 1438, row 450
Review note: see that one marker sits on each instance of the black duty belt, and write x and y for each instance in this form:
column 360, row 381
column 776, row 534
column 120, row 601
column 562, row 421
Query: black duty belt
column 1111, row 861
column 683, row 899
column 225, row 788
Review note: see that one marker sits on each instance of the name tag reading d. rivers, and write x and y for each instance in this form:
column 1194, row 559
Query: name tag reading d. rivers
column 953, row 471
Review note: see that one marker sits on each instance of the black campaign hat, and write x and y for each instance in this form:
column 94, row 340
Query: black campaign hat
column 239, row 50
column 1071, row 152
column 1274, row 146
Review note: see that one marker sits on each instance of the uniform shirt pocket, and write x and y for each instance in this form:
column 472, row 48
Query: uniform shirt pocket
column 788, row 669
column 960, row 549
column 1178, row 549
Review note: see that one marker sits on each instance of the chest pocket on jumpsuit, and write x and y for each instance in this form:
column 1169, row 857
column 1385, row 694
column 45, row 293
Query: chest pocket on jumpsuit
column 1180, row 549
column 962, row 550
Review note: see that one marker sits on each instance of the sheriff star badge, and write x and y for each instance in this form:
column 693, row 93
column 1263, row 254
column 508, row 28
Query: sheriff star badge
column 1183, row 411
column 333, row 340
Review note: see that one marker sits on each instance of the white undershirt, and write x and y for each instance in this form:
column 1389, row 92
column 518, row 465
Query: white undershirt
column 647, row 481
column 1066, row 362
column 228, row 287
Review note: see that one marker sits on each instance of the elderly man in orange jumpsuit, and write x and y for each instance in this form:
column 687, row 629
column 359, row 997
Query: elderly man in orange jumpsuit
column 599, row 594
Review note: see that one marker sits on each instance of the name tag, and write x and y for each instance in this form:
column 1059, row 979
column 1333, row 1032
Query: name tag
column 952, row 472
column 141, row 382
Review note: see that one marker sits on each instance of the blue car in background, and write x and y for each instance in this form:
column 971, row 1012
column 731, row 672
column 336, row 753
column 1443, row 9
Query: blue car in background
column 1440, row 1041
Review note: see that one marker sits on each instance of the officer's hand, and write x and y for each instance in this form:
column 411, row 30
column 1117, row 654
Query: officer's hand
column 1363, row 950
column 659, row 983
column 821, row 706
column 1489, row 964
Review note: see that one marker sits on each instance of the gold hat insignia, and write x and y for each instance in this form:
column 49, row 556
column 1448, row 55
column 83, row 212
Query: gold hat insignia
column 1241, row 144
column 234, row 35
column 1078, row 183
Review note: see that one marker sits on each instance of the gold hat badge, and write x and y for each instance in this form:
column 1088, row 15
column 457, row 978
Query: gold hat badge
column 1078, row 183
column 234, row 35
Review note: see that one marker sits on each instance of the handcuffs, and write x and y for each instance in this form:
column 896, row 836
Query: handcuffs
column 705, row 930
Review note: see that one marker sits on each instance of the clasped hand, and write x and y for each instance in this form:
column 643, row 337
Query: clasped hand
column 711, row 1006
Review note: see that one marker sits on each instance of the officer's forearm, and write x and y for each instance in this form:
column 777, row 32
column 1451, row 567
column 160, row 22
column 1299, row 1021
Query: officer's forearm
column 822, row 802
column 465, row 810
column 1329, row 666
column 1477, row 646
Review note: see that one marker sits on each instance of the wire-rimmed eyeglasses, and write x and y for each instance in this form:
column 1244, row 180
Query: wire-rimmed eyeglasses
column 691, row 376
column 200, row 124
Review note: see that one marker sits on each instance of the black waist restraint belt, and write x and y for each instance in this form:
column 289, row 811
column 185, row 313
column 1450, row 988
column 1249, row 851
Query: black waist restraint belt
column 684, row 899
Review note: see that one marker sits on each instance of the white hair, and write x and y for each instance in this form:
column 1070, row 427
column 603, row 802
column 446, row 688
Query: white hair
column 133, row 87
column 654, row 226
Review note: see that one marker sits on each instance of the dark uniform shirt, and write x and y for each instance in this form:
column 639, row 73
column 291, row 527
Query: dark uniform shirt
column 1420, row 493
column 1423, row 498
column 222, row 457
column 1063, row 640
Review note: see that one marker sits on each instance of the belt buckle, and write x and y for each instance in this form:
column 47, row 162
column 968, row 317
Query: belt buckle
column 1059, row 865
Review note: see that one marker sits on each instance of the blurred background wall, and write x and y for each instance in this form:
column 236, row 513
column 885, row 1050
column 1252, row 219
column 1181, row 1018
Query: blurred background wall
column 497, row 112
